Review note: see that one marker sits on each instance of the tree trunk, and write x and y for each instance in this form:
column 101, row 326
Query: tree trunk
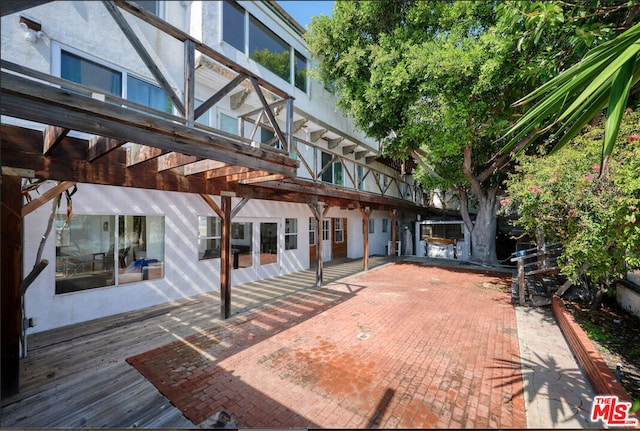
column 483, row 235
column 483, row 231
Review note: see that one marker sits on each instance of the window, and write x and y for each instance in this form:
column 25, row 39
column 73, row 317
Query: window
column 268, row 49
column 110, row 80
column 150, row 6
column 228, row 124
column 327, row 175
column 337, row 174
column 372, row 225
column 360, row 177
column 242, row 245
column 86, row 255
column 147, row 94
column 312, row 231
column 233, row 25
column 205, row 118
column 338, row 234
column 300, row 78
column 326, row 226
column 264, row 46
column 385, row 225
column 290, row 234
column 209, row 237
column 77, row 69
column 140, row 248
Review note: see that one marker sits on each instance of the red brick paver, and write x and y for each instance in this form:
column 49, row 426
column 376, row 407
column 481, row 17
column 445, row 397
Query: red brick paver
column 404, row 346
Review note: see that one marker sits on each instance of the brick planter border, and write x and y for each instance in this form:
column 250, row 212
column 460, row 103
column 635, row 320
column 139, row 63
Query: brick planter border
column 602, row 379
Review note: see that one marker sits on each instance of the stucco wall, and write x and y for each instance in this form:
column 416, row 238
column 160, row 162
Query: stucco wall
column 628, row 298
column 185, row 275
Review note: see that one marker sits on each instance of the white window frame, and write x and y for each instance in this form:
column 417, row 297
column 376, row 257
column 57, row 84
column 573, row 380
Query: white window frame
column 312, row 231
column 372, row 225
column 326, row 229
column 292, row 233
column 209, row 237
column 339, row 229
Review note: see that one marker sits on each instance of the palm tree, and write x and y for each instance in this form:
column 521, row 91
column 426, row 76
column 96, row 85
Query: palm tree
column 568, row 102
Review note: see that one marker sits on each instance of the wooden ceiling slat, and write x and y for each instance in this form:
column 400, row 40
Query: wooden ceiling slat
column 137, row 154
column 225, row 172
column 52, row 137
column 174, row 160
column 201, row 166
column 101, row 145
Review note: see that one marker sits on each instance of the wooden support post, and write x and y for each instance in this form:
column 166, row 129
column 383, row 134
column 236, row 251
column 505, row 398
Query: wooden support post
column 365, row 233
column 189, row 81
column 10, row 278
column 226, row 260
column 394, row 235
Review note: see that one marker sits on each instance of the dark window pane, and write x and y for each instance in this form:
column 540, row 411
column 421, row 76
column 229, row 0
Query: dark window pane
column 149, row 5
column 269, row 50
column 91, row 74
column 241, row 245
column 233, row 25
column 301, row 72
column 327, row 176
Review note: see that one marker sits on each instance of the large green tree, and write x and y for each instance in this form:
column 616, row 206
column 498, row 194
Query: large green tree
column 435, row 80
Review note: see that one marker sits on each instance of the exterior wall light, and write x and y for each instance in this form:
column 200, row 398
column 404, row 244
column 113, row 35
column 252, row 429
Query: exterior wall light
column 32, row 30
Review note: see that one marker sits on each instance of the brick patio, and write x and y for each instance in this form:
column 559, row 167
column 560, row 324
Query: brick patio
column 401, row 346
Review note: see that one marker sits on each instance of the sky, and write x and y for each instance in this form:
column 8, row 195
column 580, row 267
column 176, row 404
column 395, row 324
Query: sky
column 303, row 10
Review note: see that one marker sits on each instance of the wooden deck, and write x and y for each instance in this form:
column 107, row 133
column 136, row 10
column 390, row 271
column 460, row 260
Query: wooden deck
column 76, row 376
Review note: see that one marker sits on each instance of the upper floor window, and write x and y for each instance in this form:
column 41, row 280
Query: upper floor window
column 233, row 25
column 154, row 7
column 269, row 50
column 360, row 177
column 228, row 124
column 86, row 72
column 300, row 78
column 334, row 173
column 112, row 80
column 263, row 45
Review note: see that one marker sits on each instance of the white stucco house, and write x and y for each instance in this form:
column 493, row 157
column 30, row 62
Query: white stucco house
column 200, row 153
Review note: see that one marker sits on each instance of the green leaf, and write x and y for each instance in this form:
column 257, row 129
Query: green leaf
column 617, row 102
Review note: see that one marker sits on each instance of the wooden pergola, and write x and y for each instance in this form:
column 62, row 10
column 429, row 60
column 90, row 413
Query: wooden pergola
column 85, row 137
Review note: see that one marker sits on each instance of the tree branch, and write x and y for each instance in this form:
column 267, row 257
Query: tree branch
column 429, row 169
column 505, row 159
column 466, row 168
